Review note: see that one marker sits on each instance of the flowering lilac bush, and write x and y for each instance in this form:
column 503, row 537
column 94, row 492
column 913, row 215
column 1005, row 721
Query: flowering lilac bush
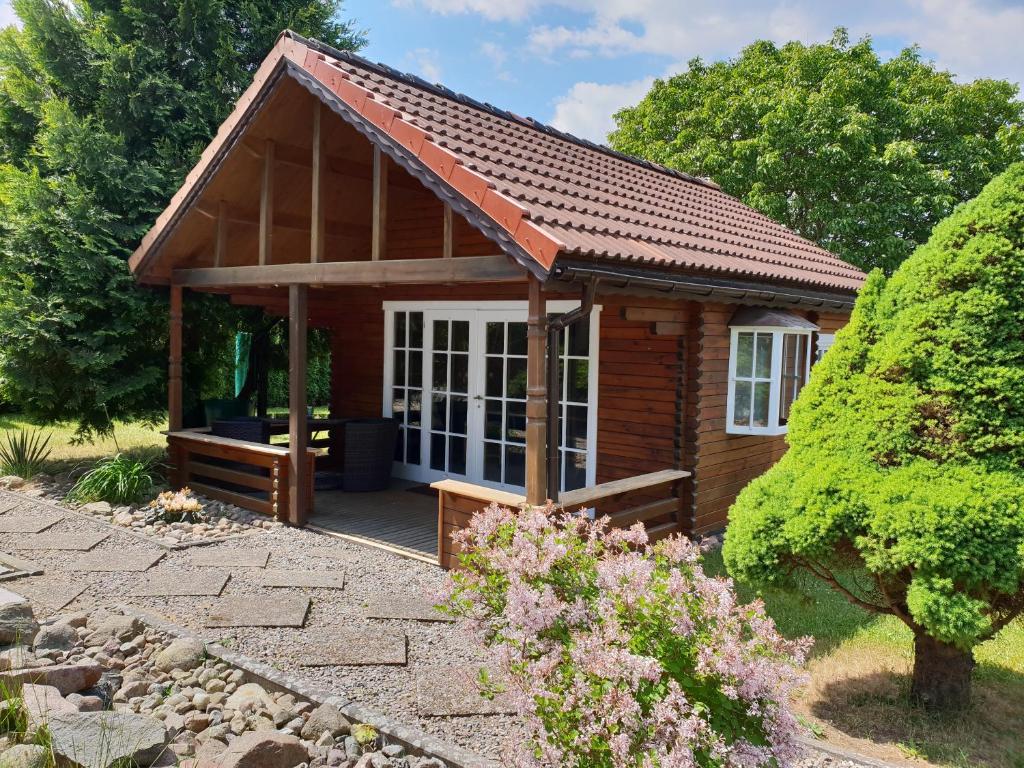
column 620, row 653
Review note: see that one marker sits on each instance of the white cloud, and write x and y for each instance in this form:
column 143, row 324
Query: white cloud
column 498, row 56
column 587, row 109
column 495, row 10
column 425, row 62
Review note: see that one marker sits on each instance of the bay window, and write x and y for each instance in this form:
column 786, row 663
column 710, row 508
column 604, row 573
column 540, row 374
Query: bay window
column 769, row 362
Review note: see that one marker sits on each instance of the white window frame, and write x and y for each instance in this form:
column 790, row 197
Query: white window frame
column 515, row 311
column 777, row 333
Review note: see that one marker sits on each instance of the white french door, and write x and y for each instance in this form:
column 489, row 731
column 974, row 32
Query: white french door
column 455, row 379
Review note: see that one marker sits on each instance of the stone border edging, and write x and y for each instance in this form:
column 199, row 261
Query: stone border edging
column 20, row 567
column 409, row 737
column 178, row 546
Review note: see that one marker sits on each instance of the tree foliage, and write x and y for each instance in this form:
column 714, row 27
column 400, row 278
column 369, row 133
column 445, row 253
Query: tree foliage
column 104, row 107
column 860, row 155
column 907, row 445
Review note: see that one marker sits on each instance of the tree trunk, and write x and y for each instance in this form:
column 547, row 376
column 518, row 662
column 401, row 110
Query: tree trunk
column 942, row 674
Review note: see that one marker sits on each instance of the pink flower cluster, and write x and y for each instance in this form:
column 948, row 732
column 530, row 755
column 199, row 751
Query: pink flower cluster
column 621, row 653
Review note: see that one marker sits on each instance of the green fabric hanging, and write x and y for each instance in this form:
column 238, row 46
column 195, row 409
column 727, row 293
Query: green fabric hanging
column 243, row 341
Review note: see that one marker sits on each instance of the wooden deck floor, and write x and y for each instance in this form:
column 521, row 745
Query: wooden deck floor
column 398, row 519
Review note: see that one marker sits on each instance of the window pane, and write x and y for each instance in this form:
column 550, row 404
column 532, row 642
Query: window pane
column 399, row 329
column 459, row 406
column 398, row 402
column 439, row 415
column 515, row 422
column 413, row 446
column 576, row 384
column 516, row 377
column 741, row 404
column 416, row 330
column 575, row 470
column 415, row 369
column 579, row 338
column 400, row 446
column 762, row 396
column 576, row 427
column 492, row 419
column 745, row 355
column 517, row 338
column 495, row 338
column 460, row 335
column 460, row 373
column 495, row 385
column 415, row 407
column 399, row 358
column 764, row 356
column 437, row 448
column 441, row 334
column 440, row 380
column 515, row 465
column 492, row 462
column 457, row 455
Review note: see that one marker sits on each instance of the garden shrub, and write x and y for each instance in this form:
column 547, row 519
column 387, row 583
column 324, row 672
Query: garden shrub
column 622, row 654
column 23, row 453
column 118, row 479
column 907, row 449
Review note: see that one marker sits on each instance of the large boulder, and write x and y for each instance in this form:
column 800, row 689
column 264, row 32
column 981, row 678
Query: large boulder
column 113, row 625
column 265, row 749
column 184, row 653
column 100, row 739
column 17, row 623
column 56, row 637
column 66, row 678
column 325, row 719
column 25, row 756
column 43, row 701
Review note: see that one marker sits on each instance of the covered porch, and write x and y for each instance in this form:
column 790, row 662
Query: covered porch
column 319, row 203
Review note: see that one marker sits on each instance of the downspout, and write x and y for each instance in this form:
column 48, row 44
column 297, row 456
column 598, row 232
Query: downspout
column 556, row 325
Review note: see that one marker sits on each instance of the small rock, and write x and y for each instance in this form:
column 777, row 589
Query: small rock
column 263, row 750
column 185, row 653
column 87, row 703
column 393, row 750
column 56, row 637
column 11, row 481
column 25, row 756
column 97, row 508
column 17, row 623
column 66, row 678
column 132, row 689
column 326, row 718
column 197, row 721
column 115, row 626
column 248, row 697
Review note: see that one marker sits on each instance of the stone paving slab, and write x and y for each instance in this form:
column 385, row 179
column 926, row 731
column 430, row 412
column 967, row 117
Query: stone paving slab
column 305, row 579
column 212, row 557
column 104, row 562
column 28, row 520
column 355, row 647
column 79, row 541
column 7, row 503
column 54, row 595
column 7, row 597
column 455, row 692
column 330, row 553
column 403, row 607
column 247, row 612
column 199, row 584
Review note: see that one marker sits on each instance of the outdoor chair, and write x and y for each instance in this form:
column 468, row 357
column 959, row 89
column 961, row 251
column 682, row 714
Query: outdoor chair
column 368, row 453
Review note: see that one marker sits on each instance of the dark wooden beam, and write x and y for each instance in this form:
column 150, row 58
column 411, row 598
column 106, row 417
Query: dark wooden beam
column 174, row 392
column 221, row 243
column 267, row 204
column 379, row 245
column 298, row 424
column 448, row 247
column 536, row 396
column 317, row 213
column 467, row 269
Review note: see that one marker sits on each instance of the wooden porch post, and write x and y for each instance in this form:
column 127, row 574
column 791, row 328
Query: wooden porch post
column 536, row 397
column 174, row 397
column 298, row 425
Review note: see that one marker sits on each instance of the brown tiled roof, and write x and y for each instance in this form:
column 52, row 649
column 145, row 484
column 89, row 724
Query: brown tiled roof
column 557, row 195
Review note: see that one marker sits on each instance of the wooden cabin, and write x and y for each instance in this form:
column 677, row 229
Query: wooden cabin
column 545, row 318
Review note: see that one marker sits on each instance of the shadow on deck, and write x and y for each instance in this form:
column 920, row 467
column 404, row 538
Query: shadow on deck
column 402, row 519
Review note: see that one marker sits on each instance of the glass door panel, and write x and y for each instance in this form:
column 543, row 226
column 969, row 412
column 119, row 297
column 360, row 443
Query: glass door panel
column 504, row 460
column 407, row 385
column 449, row 395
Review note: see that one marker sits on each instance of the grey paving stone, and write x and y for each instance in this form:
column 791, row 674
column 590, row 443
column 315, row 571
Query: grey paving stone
column 129, row 562
column 330, row 553
column 248, row 612
column 6, row 596
column 354, row 647
column 403, row 607
column 198, row 584
column 8, row 503
column 27, row 520
column 314, row 579
column 80, row 541
column 55, row 595
column 212, row 557
column 455, row 691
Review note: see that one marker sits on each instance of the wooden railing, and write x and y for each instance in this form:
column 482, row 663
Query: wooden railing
column 254, row 475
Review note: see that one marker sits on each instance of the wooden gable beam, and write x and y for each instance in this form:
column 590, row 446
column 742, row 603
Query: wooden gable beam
column 448, row 247
column 467, row 269
column 267, row 204
column 378, row 245
column 317, row 233
column 220, row 246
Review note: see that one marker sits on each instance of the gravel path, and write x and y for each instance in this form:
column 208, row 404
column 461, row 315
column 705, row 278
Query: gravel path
column 370, row 574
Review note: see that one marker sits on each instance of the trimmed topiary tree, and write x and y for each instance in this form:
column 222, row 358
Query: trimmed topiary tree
column 907, row 450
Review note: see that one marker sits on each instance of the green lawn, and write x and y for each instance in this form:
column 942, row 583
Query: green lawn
column 860, row 677
column 65, row 454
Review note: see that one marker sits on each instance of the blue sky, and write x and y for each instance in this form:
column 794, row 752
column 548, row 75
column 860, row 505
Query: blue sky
column 574, row 62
